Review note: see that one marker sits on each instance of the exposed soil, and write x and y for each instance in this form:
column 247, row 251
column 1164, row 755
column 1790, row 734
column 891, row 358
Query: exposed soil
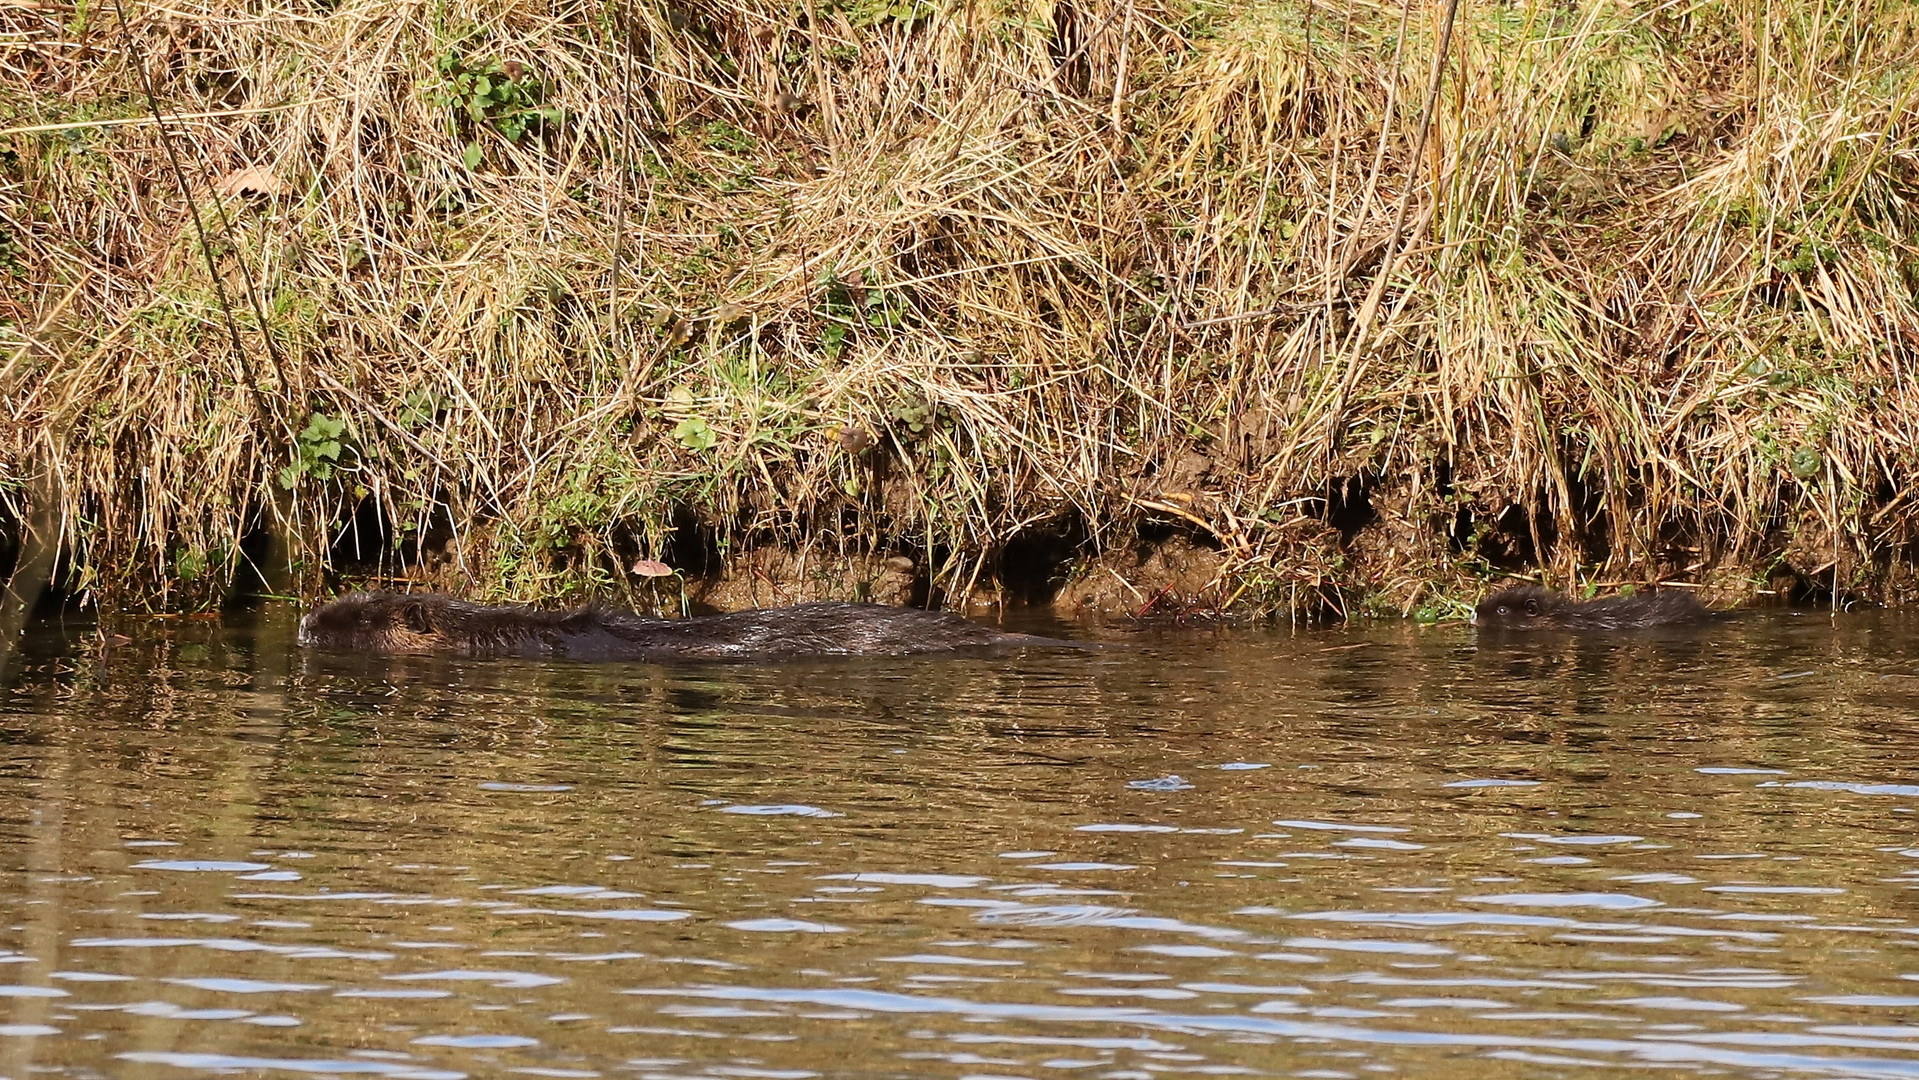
column 1171, row 575
column 772, row 577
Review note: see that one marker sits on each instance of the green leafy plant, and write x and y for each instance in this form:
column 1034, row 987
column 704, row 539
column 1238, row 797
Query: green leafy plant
column 503, row 95
column 884, row 309
column 916, row 414
column 1807, row 255
column 693, row 434
column 420, row 408
column 865, row 13
column 720, row 135
column 833, row 340
column 846, row 306
column 189, row 564
column 317, row 451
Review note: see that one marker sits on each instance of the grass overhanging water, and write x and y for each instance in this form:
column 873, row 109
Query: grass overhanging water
column 1607, row 290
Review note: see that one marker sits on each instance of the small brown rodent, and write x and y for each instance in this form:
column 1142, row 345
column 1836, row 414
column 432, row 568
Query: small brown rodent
column 383, row 622
column 1528, row 607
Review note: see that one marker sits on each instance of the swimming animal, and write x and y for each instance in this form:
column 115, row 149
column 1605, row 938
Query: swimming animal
column 1528, row 607
column 386, row 622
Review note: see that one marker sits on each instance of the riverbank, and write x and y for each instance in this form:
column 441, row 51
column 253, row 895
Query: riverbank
column 1120, row 304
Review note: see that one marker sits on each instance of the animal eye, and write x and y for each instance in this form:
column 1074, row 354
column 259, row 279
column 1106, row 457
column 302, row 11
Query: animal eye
column 1503, row 609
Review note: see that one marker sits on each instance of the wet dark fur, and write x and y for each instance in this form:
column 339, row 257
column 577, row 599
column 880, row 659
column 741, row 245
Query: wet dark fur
column 1529, row 607
column 381, row 622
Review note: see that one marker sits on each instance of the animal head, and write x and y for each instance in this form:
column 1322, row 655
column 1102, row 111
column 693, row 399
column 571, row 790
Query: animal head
column 374, row 622
column 1516, row 606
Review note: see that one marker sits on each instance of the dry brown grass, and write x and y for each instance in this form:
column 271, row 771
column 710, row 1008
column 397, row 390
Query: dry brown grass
column 1649, row 279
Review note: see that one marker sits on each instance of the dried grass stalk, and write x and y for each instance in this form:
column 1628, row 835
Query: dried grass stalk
column 552, row 281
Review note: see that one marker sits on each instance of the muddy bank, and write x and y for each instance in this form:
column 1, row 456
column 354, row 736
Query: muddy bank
column 1368, row 547
column 1363, row 548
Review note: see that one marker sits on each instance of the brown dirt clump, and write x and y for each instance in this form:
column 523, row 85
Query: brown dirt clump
column 1173, row 576
column 773, row 577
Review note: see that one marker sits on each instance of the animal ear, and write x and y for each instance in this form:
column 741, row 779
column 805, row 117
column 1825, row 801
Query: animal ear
column 414, row 614
column 1532, row 605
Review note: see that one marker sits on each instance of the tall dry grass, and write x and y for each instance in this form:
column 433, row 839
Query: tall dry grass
column 1614, row 289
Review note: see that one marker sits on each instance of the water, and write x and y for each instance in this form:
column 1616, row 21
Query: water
column 1376, row 850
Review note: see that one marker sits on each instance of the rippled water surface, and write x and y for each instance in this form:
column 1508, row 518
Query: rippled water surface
column 1346, row 852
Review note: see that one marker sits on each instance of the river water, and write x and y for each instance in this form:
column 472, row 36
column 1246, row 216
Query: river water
column 1345, row 852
